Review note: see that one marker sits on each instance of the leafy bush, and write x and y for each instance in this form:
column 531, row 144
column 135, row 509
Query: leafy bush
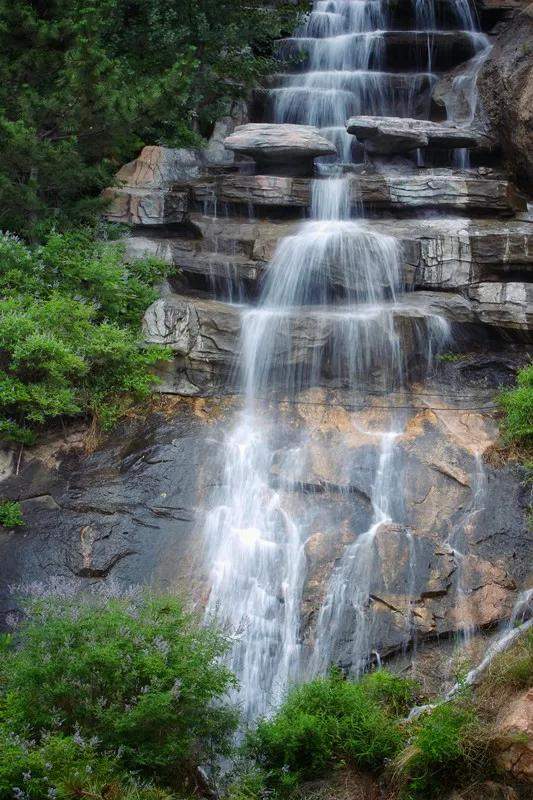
column 84, row 85
column 446, row 744
column 95, row 690
column 518, row 406
column 69, row 331
column 325, row 723
column 10, row 514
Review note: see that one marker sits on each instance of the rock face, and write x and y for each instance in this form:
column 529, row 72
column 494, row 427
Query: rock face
column 145, row 193
column 389, row 135
column 440, row 189
column 289, row 147
column 514, row 731
column 506, row 89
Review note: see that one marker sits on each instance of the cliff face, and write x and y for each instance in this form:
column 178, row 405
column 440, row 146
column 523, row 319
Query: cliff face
column 450, row 541
column 506, row 89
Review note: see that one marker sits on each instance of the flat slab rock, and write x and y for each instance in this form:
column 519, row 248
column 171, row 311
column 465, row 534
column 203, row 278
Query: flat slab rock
column 273, row 143
column 441, row 189
column 388, row 135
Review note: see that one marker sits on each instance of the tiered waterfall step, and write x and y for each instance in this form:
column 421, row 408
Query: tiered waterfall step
column 445, row 190
column 206, row 332
column 437, row 253
column 383, row 49
column 390, row 135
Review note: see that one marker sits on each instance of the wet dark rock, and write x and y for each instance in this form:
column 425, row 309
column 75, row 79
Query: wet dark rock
column 506, row 90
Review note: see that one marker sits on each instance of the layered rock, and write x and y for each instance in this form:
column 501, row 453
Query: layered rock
column 280, row 148
column 389, row 135
column 439, row 189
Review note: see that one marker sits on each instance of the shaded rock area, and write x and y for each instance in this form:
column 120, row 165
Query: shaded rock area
column 506, row 91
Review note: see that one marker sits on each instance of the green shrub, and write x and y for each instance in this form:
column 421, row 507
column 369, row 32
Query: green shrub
column 69, row 331
column 11, row 514
column 135, row 680
column 518, row 406
column 326, row 723
column 445, row 746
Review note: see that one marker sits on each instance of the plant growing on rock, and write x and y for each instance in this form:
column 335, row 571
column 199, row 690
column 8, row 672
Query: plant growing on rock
column 518, row 407
column 70, row 315
column 328, row 723
column 10, row 514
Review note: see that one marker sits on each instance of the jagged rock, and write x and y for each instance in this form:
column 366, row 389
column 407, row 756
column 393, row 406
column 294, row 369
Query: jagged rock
column 389, row 135
column 505, row 305
column 146, row 206
column 146, row 192
column 506, row 90
column 289, row 148
column 514, row 735
column 160, row 168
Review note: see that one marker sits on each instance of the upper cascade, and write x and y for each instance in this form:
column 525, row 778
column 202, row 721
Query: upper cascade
column 353, row 57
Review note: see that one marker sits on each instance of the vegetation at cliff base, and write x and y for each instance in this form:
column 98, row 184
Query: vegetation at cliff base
column 113, row 697
column 110, row 698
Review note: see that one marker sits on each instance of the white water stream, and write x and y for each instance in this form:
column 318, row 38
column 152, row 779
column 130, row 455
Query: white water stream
column 329, row 314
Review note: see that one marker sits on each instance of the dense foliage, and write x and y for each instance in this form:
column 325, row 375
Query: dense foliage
column 83, row 85
column 70, row 331
column 99, row 697
column 518, row 406
column 327, row 723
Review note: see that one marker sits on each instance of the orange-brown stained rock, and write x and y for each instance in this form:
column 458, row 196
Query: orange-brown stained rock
column 514, row 727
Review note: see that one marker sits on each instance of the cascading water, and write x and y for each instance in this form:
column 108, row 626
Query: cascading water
column 331, row 314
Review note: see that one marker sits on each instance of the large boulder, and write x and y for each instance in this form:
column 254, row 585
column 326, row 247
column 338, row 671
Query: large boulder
column 148, row 190
column 290, row 149
column 506, row 89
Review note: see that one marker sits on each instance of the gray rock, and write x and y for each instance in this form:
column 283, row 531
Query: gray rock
column 269, row 142
column 130, row 206
column 148, row 191
column 442, row 189
column 505, row 305
column 389, row 135
column 287, row 148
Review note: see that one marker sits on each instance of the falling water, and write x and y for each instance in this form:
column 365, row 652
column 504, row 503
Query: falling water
column 330, row 315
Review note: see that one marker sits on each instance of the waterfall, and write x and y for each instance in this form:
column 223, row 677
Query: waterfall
column 330, row 314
